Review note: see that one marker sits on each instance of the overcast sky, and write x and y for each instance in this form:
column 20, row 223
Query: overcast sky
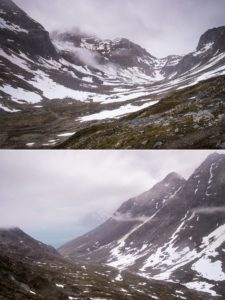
column 161, row 26
column 58, row 195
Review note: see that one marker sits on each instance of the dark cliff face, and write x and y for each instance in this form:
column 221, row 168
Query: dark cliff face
column 212, row 42
column 20, row 33
column 216, row 37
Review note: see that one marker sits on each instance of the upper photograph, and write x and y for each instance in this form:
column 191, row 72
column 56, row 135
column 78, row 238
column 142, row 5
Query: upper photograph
column 97, row 74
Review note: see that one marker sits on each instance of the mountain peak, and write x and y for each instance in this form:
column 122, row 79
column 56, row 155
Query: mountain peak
column 13, row 233
column 10, row 229
column 216, row 155
column 213, row 158
column 173, row 176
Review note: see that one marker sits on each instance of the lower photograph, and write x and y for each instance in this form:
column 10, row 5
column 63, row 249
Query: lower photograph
column 112, row 225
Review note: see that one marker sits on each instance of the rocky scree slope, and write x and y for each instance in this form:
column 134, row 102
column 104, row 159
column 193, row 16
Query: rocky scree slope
column 191, row 118
column 31, row 270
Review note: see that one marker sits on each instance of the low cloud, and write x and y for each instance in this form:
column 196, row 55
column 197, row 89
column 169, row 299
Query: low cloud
column 128, row 218
column 209, row 210
column 162, row 27
column 87, row 57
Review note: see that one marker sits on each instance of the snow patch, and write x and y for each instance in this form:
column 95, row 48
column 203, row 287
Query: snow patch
column 7, row 109
column 19, row 94
column 10, row 26
column 30, row 144
column 201, row 287
column 204, row 49
column 66, row 134
column 32, row 292
column 53, row 90
column 208, row 269
column 119, row 277
column 123, row 110
column 122, row 260
column 60, row 285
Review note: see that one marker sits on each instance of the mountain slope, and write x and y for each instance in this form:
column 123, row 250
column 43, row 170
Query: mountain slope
column 52, row 86
column 15, row 242
column 131, row 212
column 190, row 118
column 35, row 275
column 174, row 232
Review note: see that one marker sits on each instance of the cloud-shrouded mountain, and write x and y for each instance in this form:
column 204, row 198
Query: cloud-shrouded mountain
column 173, row 232
column 51, row 85
column 76, row 56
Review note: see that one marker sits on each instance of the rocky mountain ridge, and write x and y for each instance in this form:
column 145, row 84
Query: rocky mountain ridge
column 119, row 56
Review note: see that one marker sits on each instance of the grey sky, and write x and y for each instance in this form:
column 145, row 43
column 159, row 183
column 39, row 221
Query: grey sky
column 161, row 26
column 56, row 196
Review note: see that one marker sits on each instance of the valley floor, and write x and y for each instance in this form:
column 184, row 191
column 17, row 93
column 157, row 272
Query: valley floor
column 52, row 122
column 62, row 280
